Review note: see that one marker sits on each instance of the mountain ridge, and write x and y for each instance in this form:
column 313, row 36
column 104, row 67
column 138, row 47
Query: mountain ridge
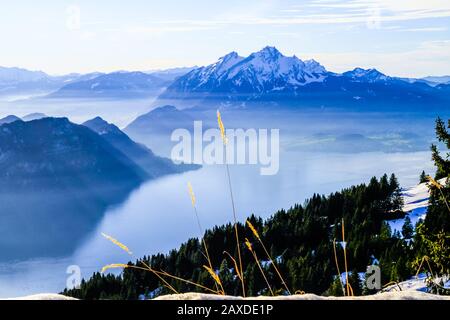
column 267, row 76
column 154, row 165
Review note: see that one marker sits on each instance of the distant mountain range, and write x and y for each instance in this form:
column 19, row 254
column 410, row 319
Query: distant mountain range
column 357, row 143
column 263, row 76
column 267, row 76
column 437, row 80
column 23, row 83
column 28, row 117
column 9, row 119
column 117, row 84
column 122, row 84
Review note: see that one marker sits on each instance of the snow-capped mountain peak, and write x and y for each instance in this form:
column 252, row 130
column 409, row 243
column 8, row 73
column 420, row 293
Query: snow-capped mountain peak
column 269, row 70
column 366, row 75
column 267, row 54
column 232, row 56
column 262, row 71
column 223, row 64
column 314, row 67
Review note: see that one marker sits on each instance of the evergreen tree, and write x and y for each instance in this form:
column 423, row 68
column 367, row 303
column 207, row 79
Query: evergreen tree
column 226, row 277
column 385, row 232
column 397, row 199
column 437, row 218
column 433, row 235
column 423, row 177
column 335, row 290
column 407, row 229
column 355, row 283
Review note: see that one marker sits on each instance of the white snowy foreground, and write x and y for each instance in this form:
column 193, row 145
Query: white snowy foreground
column 395, row 295
column 413, row 289
column 400, row 295
column 44, row 296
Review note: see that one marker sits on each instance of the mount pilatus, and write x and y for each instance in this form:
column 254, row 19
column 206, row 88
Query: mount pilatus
column 262, row 71
column 269, row 76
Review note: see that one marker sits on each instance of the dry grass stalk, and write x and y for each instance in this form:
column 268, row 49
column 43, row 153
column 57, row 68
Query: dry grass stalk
column 215, row 277
column 425, row 259
column 337, row 266
column 193, row 200
column 156, row 273
column 147, row 268
column 126, row 249
column 434, row 182
column 191, row 193
column 236, row 267
column 160, row 274
column 114, row 265
column 250, row 248
column 344, row 245
column 222, row 128
column 433, row 276
column 241, row 269
column 391, row 283
column 257, row 236
column 164, row 273
column 118, row 243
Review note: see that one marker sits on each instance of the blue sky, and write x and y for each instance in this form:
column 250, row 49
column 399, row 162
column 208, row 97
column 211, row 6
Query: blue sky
column 399, row 37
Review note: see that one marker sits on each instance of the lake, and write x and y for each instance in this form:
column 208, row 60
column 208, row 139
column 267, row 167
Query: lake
column 158, row 216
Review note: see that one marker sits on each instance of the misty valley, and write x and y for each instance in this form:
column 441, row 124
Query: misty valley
column 86, row 154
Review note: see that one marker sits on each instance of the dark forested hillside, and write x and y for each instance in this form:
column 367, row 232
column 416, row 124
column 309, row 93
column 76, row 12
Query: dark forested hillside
column 299, row 239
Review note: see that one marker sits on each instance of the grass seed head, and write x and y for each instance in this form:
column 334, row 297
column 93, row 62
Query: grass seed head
column 221, row 127
column 434, row 182
column 114, row 265
column 191, row 193
column 213, row 275
column 117, row 243
column 249, row 245
column 253, row 229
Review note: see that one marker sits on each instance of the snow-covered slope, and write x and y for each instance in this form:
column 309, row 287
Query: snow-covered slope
column 417, row 197
column 415, row 204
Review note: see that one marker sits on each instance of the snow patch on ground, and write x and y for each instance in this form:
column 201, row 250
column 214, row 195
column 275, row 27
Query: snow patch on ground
column 415, row 204
column 394, row 295
column 44, row 296
column 414, row 284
